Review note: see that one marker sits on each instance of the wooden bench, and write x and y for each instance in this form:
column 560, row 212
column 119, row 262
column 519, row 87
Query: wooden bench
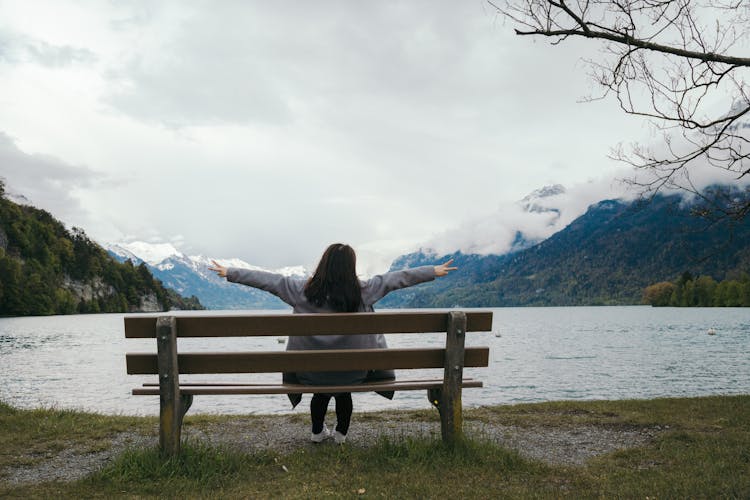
column 176, row 396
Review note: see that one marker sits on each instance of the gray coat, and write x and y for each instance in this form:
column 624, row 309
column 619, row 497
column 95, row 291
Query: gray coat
column 291, row 291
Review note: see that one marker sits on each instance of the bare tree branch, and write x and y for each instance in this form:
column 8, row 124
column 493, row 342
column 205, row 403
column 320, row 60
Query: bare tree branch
column 668, row 61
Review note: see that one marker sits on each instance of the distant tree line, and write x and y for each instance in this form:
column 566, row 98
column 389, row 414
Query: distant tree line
column 46, row 269
column 701, row 291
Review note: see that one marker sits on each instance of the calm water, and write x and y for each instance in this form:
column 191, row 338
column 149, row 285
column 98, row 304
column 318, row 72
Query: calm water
column 537, row 354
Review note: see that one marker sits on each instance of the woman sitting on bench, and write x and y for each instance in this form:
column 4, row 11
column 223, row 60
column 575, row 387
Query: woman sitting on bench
column 333, row 288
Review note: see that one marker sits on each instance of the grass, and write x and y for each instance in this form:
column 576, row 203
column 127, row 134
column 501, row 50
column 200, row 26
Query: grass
column 702, row 450
column 30, row 436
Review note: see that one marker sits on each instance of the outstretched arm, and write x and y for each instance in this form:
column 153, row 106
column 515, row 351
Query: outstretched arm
column 287, row 289
column 379, row 286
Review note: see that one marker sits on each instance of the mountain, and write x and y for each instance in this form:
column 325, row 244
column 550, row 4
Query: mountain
column 189, row 275
column 513, row 226
column 536, row 201
column 541, row 201
column 46, row 269
column 606, row 256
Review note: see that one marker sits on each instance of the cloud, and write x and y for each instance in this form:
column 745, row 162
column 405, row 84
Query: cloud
column 15, row 49
column 263, row 131
column 700, row 172
column 496, row 233
column 47, row 182
column 363, row 68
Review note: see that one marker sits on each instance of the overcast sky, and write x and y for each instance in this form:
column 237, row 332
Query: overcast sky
column 266, row 130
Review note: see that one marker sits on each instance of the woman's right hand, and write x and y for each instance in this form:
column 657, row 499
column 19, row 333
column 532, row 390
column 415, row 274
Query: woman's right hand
column 444, row 268
column 218, row 269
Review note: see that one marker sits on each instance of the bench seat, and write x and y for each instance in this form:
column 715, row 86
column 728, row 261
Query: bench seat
column 152, row 389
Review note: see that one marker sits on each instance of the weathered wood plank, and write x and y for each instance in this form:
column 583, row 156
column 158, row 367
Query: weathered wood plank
column 306, row 361
column 307, row 324
column 406, row 385
column 266, row 384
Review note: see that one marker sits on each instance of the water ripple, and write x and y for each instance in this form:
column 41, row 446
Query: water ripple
column 544, row 354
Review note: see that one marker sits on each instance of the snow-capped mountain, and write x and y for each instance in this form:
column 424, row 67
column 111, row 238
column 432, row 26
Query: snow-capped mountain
column 152, row 254
column 512, row 228
column 538, row 201
column 606, row 256
column 189, row 275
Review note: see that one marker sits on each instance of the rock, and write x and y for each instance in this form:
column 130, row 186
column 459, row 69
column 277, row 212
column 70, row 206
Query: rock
column 149, row 303
column 87, row 291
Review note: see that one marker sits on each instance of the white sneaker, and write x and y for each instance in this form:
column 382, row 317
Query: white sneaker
column 321, row 436
column 339, row 438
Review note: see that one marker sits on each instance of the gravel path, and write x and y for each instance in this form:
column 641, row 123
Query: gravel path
column 563, row 445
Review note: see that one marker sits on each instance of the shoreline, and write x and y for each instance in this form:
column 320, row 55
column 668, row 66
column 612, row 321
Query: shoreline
column 302, row 410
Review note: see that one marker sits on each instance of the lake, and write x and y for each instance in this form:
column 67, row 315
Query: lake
column 536, row 354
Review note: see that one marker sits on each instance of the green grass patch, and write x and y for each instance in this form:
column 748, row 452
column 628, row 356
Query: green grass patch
column 29, row 436
column 703, row 413
column 199, row 469
column 404, row 468
column 412, row 468
column 701, row 450
column 681, row 464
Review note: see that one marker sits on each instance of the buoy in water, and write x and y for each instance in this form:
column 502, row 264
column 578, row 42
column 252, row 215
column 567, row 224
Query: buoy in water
column 711, row 331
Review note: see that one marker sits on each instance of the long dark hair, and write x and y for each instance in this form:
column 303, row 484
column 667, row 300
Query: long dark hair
column 335, row 283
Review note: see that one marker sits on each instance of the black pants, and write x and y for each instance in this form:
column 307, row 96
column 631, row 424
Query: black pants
column 319, row 407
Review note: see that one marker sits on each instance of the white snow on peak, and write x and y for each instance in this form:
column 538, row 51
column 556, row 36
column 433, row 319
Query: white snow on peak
column 119, row 250
column 203, row 261
column 152, row 253
column 292, row 271
column 226, row 262
column 545, row 191
column 540, row 199
column 164, row 256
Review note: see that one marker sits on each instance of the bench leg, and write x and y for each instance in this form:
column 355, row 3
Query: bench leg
column 451, row 415
column 170, row 426
column 170, row 423
column 451, row 418
column 171, row 404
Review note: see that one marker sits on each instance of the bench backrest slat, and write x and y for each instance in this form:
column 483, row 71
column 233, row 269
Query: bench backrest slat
column 306, row 361
column 306, row 324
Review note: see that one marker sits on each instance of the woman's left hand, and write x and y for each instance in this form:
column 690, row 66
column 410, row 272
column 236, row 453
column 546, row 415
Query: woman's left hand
column 218, row 269
column 444, row 268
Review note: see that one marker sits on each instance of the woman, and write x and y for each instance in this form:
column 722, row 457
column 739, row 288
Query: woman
column 333, row 288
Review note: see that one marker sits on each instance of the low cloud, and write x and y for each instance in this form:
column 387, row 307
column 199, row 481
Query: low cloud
column 47, row 182
column 699, row 173
column 496, row 233
column 15, row 49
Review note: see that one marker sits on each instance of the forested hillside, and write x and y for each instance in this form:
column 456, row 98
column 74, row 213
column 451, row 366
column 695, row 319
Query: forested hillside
column 46, row 269
column 606, row 256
